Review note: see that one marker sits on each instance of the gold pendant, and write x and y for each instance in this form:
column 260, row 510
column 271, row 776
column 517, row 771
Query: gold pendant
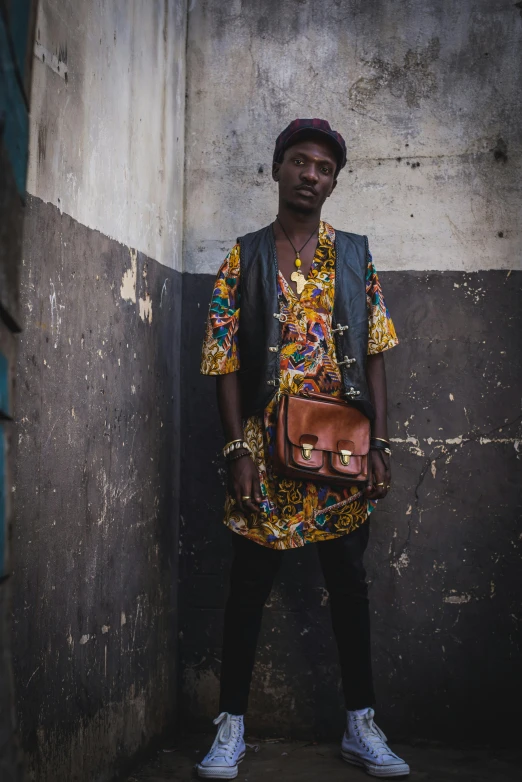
column 300, row 281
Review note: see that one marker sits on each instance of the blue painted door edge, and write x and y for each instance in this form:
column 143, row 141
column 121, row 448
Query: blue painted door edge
column 4, row 387
column 3, row 531
column 14, row 117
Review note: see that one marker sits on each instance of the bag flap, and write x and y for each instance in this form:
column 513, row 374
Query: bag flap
column 328, row 423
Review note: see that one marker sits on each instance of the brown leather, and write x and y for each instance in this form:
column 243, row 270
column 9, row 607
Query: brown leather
column 329, row 426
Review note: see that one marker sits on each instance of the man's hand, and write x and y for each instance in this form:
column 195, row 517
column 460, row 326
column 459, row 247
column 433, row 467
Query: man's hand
column 243, row 477
column 380, row 475
column 243, row 481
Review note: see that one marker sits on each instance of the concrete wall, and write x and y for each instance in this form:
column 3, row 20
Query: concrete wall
column 11, row 219
column 426, row 95
column 108, row 119
column 97, row 483
column 16, row 38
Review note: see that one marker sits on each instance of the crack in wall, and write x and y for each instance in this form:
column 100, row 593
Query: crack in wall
column 430, row 462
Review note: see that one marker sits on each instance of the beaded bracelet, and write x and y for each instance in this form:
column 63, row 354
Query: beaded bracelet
column 238, row 456
column 234, row 445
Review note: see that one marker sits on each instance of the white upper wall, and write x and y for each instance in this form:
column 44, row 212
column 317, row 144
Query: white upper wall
column 107, row 118
column 436, row 84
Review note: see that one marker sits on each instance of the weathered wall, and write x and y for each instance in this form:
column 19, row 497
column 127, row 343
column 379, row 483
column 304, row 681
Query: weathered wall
column 108, row 118
column 97, row 483
column 11, row 218
column 16, row 38
column 426, row 95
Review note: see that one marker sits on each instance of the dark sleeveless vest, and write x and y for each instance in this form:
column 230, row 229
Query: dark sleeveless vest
column 260, row 329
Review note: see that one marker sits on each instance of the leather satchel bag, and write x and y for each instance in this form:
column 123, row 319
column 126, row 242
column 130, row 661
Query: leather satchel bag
column 321, row 438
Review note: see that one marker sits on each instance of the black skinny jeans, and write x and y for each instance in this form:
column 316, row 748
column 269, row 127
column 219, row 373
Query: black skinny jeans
column 252, row 574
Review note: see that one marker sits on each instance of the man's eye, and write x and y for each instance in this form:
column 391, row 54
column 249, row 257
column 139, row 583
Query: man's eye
column 298, row 160
column 326, row 170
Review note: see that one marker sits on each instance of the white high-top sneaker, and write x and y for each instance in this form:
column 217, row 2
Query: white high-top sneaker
column 364, row 744
column 227, row 750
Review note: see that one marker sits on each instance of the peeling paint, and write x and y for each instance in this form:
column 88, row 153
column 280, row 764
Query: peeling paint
column 163, row 291
column 128, row 282
column 325, row 595
column 459, row 440
column 401, row 563
column 56, row 318
column 146, row 309
column 457, row 599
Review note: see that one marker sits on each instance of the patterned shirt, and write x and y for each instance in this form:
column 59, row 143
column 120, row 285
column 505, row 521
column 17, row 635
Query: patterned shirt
column 293, row 512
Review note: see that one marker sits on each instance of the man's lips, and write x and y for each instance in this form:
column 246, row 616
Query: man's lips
column 305, row 189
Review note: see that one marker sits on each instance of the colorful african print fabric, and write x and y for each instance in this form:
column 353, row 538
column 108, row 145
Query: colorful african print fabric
column 292, row 512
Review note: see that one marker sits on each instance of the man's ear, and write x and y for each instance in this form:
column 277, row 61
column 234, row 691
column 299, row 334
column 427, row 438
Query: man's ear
column 275, row 171
column 334, row 185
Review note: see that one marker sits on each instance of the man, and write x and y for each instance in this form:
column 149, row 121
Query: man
column 271, row 331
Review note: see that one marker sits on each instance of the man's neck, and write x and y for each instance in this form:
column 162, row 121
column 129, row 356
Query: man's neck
column 298, row 223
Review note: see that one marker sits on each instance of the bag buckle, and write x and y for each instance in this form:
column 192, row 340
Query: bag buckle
column 345, row 457
column 306, row 450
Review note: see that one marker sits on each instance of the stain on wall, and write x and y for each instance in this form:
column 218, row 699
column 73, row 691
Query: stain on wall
column 412, row 81
column 426, row 96
column 95, row 549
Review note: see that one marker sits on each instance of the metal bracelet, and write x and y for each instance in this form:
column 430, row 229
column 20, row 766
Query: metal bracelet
column 380, row 448
column 381, row 440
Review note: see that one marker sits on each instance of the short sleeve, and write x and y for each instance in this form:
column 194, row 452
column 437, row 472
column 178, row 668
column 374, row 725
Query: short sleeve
column 381, row 331
column 220, row 353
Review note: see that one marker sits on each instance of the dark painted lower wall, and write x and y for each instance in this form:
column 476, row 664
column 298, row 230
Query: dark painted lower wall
column 95, row 550
column 11, row 221
column 444, row 558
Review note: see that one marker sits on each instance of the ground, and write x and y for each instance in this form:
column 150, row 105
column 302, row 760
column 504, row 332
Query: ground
column 311, row 762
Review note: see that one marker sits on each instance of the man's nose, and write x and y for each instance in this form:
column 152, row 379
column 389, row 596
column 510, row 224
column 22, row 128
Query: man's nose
column 309, row 173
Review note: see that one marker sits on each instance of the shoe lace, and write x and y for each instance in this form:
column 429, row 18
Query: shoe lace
column 227, row 736
column 371, row 736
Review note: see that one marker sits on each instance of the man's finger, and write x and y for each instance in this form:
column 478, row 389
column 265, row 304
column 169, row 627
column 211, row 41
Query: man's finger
column 378, row 488
column 244, row 497
column 239, row 501
column 251, row 503
column 256, row 486
column 377, row 494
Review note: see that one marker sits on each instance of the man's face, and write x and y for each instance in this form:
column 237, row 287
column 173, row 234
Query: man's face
column 306, row 175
